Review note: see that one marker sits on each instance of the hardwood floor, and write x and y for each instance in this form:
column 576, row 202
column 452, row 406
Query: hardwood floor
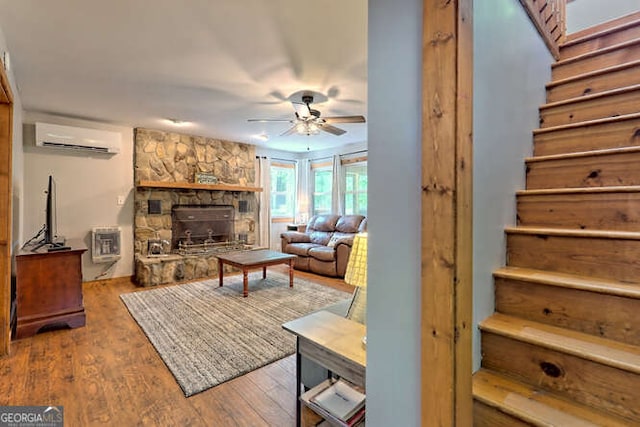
column 108, row 373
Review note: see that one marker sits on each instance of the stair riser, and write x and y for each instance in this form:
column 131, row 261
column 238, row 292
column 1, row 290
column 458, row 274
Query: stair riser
column 607, row 40
column 599, row 108
column 487, row 416
column 596, row 211
column 596, row 84
column 597, row 137
column 606, row 316
column 589, row 383
column 596, row 62
column 614, row 259
column 579, row 172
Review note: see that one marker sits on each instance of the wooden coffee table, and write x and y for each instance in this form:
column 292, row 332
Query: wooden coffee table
column 252, row 260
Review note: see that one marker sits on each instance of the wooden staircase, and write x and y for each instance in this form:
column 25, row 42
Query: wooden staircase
column 563, row 348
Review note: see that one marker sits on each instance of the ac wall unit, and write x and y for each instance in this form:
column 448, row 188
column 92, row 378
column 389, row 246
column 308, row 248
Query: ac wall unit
column 75, row 138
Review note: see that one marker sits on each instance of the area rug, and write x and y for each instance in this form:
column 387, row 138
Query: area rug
column 207, row 335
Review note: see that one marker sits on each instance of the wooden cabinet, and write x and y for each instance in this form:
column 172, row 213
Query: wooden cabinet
column 49, row 290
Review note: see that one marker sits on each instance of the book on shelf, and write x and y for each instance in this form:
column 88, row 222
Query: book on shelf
column 337, row 401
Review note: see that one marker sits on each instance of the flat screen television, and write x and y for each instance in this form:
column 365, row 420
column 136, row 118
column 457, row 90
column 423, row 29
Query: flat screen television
column 51, row 240
column 50, row 225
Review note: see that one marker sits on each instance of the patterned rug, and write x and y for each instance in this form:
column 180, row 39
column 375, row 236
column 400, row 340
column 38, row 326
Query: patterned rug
column 207, row 335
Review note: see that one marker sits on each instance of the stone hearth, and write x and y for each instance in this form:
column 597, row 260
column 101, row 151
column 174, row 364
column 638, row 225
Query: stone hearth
column 174, row 158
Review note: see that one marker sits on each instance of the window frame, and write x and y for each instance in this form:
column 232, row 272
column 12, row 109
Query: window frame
column 357, row 191
column 290, row 193
column 315, row 168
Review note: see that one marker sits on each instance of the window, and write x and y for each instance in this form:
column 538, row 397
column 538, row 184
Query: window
column 283, row 184
column 355, row 189
column 322, row 183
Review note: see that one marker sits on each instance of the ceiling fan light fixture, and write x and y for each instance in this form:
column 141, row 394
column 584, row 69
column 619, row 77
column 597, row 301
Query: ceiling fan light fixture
column 309, row 121
column 307, row 128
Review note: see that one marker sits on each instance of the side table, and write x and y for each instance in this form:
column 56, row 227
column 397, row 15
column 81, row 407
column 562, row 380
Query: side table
column 331, row 341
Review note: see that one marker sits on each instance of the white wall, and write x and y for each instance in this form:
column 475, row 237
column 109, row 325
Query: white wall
column 393, row 293
column 511, row 67
column 88, row 186
column 582, row 14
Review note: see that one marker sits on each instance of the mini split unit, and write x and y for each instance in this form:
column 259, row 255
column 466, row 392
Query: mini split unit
column 74, row 138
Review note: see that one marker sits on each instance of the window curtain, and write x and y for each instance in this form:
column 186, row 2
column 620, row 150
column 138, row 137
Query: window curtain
column 303, row 190
column 263, row 178
column 337, row 190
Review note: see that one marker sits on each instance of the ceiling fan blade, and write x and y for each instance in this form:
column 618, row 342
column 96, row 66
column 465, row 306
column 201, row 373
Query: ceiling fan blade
column 268, row 120
column 332, row 129
column 302, row 109
column 289, row 131
column 345, row 119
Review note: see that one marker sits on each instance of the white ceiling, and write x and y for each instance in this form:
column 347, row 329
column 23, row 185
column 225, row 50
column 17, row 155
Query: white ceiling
column 214, row 63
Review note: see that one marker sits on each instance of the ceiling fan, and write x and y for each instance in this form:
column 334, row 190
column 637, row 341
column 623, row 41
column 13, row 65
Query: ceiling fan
column 307, row 121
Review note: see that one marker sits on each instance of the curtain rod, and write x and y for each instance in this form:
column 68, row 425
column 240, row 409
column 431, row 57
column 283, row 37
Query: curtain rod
column 340, row 155
column 355, row 152
column 317, row 158
column 275, row 158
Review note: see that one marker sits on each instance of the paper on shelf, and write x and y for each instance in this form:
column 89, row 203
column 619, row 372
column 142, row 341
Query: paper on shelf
column 340, row 399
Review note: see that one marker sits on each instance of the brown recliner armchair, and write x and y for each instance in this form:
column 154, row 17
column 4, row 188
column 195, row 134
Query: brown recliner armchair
column 325, row 246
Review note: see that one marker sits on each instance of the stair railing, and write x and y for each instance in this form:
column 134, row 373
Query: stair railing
column 549, row 17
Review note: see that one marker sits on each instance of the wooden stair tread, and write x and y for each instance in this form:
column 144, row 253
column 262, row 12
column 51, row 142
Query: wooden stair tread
column 589, row 347
column 595, row 96
column 584, row 283
column 597, row 34
column 585, row 123
column 566, row 232
column 597, row 52
column 605, row 152
column 533, row 405
column 593, row 73
column 581, row 190
column 633, row 17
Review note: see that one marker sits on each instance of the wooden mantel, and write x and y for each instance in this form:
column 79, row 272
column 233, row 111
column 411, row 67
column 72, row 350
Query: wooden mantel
column 194, row 186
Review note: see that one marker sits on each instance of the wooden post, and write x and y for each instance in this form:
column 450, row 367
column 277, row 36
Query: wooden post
column 6, row 143
column 447, row 213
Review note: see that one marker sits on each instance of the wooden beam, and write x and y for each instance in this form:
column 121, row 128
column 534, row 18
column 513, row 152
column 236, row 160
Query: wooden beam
column 447, row 213
column 6, row 144
column 193, row 186
column 6, row 96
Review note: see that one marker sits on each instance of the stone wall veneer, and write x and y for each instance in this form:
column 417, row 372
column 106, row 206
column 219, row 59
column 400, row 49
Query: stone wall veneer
column 172, row 157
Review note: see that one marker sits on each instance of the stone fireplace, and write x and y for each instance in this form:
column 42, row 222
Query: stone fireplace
column 178, row 221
